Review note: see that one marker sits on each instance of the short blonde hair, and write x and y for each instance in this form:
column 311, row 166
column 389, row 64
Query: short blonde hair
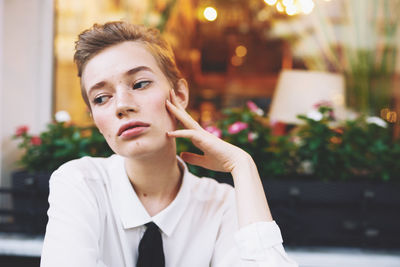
column 101, row 36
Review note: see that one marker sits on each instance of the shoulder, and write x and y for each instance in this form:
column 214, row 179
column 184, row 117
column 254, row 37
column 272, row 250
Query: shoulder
column 86, row 168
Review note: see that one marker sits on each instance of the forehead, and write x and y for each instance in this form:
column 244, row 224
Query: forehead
column 116, row 60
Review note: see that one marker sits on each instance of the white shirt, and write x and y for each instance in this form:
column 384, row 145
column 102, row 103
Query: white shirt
column 96, row 219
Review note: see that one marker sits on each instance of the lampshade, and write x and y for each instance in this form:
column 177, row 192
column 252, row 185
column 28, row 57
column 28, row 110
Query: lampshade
column 298, row 91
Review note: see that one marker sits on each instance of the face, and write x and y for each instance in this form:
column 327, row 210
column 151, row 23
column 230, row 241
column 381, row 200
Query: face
column 127, row 93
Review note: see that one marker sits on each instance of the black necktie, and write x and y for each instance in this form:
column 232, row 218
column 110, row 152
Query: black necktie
column 151, row 253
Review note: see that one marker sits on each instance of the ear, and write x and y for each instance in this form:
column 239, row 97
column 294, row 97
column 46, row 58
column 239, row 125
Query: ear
column 182, row 92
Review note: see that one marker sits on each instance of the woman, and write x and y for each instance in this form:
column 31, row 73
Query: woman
column 141, row 206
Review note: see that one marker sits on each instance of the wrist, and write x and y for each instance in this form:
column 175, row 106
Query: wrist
column 243, row 162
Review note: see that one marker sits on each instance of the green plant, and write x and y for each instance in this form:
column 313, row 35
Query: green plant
column 320, row 148
column 248, row 129
column 361, row 148
column 59, row 143
column 317, row 152
column 367, row 149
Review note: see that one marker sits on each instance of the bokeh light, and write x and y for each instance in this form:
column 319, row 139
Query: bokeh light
column 241, row 51
column 389, row 115
column 292, row 7
column 291, row 10
column 210, row 13
column 236, row 61
column 288, row 3
column 270, row 2
column 280, row 7
column 307, row 6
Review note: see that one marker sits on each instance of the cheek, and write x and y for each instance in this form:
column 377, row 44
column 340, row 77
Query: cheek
column 158, row 104
column 101, row 123
column 159, row 109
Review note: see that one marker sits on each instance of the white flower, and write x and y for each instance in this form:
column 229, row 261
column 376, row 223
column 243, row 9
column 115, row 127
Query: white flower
column 307, row 167
column 252, row 136
column 62, row 116
column 260, row 112
column 297, row 140
column 376, row 120
column 315, row 115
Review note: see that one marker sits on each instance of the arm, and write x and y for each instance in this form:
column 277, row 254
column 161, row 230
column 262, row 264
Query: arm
column 221, row 156
column 259, row 239
column 252, row 205
column 72, row 232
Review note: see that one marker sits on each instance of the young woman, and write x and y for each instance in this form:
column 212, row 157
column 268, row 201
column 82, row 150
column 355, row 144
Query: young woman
column 104, row 210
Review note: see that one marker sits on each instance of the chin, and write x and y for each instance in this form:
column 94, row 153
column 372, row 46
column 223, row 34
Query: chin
column 142, row 148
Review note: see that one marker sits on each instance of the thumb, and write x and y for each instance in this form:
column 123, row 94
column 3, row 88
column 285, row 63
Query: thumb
column 192, row 158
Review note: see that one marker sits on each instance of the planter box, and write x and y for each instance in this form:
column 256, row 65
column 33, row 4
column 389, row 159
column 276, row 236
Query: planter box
column 309, row 213
column 30, row 201
column 352, row 213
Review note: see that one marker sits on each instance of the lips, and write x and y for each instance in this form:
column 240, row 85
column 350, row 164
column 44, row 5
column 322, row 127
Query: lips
column 132, row 127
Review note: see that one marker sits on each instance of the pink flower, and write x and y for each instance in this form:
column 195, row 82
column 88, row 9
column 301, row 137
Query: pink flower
column 21, row 130
column 214, row 130
column 251, row 136
column 254, row 108
column 237, row 127
column 323, row 103
column 36, row 141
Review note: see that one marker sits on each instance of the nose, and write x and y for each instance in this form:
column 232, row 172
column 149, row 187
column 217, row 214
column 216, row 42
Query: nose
column 125, row 103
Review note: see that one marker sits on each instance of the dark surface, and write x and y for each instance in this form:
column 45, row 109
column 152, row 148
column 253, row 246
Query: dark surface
column 361, row 214
column 309, row 212
column 14, row 261
column 30, row 201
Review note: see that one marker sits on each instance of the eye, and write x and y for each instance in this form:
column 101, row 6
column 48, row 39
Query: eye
column 140, row 85
column 100, row 99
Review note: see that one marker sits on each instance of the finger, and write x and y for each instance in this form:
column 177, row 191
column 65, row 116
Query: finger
column 194, row 159
column 185, row 133
column 182, row 116
column 174, row 99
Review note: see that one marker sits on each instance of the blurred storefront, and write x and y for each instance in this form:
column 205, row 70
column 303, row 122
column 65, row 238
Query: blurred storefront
column 224, row 48
column 288, row 57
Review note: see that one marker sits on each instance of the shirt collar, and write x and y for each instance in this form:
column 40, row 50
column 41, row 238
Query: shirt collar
column 131, row 210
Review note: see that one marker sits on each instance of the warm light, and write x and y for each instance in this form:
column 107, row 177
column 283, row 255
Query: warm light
column 287, row 3
column 307, row 6
column 241, row 51
column 270, row 2
column 263, row 15
column 388, row 115
column 291, row 10
column 279, row 7
column 236, row 61
column 384, row 112
column 210, row 13
column 391, row 117
column 293, row 7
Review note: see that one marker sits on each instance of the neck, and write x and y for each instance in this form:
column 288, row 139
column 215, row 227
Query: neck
column 156, row 180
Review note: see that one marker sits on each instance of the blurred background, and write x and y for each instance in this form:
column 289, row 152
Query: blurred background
column 311, row 88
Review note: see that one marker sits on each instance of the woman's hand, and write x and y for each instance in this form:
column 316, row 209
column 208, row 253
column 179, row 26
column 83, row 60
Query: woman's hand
column 252, row 205
column 218, row 154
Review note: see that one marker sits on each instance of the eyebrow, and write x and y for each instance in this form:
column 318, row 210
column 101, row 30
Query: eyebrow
column 128, row 73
